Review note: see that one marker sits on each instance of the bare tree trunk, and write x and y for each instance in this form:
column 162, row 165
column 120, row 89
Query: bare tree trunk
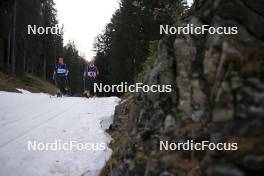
column 55, row 49
column 25, row 56
column 44, row 67
column 28, row 66
column 32, row 68
column 8, row 49
column 13, row 55
column 25, row 60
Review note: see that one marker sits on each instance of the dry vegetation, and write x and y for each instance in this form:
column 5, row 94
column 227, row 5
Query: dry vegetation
column 28, row 82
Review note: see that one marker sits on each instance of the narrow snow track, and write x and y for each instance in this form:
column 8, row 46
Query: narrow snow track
column 29, row 124
column 37, row 117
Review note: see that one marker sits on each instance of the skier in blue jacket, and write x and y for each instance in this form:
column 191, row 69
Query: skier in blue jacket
column 60, row 76
column 90, row 75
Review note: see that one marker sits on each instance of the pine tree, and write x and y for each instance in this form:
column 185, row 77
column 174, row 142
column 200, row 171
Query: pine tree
column 124, row 46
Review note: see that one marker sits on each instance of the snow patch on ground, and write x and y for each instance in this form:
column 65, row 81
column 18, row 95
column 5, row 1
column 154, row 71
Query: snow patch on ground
column 23, row 91
column 38, row 117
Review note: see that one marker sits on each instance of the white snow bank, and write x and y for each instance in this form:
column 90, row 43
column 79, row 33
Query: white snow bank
column 38, row 117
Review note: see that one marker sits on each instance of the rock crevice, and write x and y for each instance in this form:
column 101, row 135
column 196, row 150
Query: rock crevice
column 218, row 95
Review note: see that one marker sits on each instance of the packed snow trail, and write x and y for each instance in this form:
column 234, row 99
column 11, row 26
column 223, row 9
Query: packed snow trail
column 39, row 118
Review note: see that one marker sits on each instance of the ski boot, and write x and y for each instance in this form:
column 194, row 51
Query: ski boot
column 59, row 94
column 86, row 94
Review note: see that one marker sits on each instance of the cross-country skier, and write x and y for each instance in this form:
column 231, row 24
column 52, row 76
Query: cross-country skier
column 90, row 74
column 60, row 76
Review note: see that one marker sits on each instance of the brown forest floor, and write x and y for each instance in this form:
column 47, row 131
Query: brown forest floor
column 28, row 82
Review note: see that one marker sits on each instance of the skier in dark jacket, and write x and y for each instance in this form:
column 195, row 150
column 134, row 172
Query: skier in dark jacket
column 60, row 76
column 90, row 75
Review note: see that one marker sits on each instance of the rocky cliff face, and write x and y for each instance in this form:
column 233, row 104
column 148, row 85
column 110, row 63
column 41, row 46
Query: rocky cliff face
column 218, row 95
